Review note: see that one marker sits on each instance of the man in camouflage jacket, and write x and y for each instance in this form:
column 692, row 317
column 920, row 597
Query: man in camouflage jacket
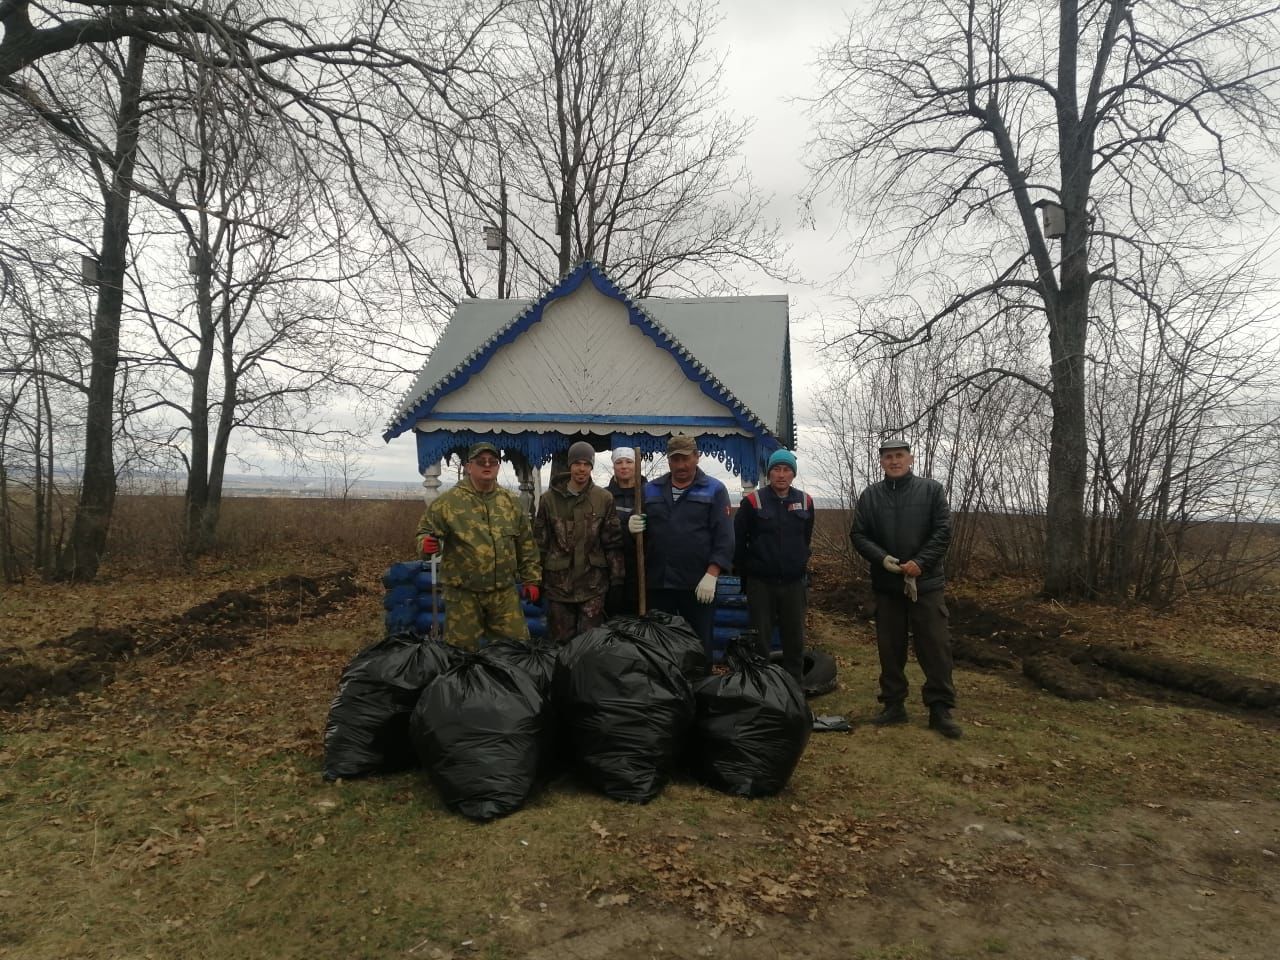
column 578, row 532
column 485, row 544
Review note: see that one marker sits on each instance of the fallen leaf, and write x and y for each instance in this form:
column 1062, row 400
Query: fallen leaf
column 256, row 879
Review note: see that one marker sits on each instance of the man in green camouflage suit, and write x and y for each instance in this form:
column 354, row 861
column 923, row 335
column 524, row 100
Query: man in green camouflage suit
column 578, row 532
column 485, row 544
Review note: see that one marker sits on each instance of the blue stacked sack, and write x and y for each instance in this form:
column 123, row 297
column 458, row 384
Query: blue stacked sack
column 731, row 617
column 409, row 606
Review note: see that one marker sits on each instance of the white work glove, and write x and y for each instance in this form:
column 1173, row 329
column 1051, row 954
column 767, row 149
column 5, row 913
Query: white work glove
column 909, row 588
column 705, row 591
column 891, row 564
column 637, row 522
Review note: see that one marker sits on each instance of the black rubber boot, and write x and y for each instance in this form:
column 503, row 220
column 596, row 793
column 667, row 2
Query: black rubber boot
column 891, row 714
column 940, row 719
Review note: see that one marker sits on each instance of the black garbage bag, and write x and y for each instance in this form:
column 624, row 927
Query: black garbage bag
column 669, row 634
column 752, row 725
column 480, row 730
column 368, row 726
column 537, row 658
column 623, row 696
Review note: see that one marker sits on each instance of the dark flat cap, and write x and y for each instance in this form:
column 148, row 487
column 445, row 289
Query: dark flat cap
column 896, row 443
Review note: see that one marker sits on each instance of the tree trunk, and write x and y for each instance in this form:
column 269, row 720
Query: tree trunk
column 1068, row 310
column 83, row 553
column 197, row 534
column 218, row 455
column 1068, row 443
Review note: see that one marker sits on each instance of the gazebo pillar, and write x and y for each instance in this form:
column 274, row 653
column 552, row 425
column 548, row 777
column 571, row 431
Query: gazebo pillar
column 431, row 482
column 528, row 478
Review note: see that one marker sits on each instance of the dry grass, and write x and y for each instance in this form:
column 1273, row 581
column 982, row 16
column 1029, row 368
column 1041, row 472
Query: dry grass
column 180, row 812
column 145, row 530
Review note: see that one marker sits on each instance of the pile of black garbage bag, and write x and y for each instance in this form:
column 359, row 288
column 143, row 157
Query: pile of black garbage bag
column 626, row 706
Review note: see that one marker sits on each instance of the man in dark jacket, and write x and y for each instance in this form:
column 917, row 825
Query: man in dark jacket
column 773, row 529
column 902, row 526
column 687, row 519
column 623, row 485
column 576, row 530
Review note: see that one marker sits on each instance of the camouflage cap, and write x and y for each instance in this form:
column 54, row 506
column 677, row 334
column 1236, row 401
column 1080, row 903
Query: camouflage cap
column 897, row 443
column 484, row 446
column 682, row 444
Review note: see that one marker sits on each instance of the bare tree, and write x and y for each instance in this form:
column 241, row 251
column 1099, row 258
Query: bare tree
column 42, row 369
column 1183, row 428
column 255, row 314
column 605, row 139
column 947, row 127
column 312, row 75
column 975, row 441
column 344, row 467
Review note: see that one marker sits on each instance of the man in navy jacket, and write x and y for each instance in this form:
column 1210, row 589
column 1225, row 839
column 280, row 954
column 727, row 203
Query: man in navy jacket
column 773, row 530
column 689, row 538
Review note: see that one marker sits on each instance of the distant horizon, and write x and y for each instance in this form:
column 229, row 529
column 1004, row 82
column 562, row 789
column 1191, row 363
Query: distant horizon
column 307, row 487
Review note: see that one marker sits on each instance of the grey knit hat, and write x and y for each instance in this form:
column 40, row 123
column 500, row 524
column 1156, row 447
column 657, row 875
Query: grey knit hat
column 582, row 451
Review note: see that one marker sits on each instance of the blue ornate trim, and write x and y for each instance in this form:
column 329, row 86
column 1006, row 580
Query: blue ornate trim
column 743, row 456
column 592, row 418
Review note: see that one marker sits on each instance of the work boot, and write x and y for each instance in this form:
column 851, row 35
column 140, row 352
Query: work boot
column 940, row 719
column 891, row 714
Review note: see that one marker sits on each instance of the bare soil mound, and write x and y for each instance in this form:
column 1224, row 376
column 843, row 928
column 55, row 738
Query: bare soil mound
column 1056, row 652
column 87, row 658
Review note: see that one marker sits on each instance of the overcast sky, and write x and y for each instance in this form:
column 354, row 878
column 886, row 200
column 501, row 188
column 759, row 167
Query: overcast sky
column 769, row 63
column 769, row 68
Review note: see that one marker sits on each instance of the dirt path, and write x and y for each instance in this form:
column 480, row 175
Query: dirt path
column 1187, row 883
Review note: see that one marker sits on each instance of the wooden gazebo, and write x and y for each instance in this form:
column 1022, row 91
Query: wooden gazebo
column 584, row 361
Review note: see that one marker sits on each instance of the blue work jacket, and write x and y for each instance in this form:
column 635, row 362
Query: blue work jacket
column 683, row 538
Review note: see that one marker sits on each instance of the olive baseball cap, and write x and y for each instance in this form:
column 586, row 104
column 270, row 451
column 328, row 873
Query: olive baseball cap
column 484, row 446
column 682, row 444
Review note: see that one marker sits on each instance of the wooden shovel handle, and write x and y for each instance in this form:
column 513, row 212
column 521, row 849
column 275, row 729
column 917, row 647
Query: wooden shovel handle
column 640, row 605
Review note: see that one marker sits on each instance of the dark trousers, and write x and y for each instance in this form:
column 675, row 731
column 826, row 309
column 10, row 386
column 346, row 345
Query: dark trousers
column 682, row 603
column 927, row 620
column 566, row 620
column 772, row 603
column 623, row 600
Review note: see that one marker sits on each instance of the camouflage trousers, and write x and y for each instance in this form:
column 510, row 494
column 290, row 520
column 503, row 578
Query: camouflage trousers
column 566, row 620
column 471, row 614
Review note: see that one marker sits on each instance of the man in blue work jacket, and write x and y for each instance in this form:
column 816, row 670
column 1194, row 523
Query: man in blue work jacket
column 689, row 538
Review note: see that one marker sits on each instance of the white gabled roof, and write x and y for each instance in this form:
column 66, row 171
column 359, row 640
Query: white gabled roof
column 737, row 346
